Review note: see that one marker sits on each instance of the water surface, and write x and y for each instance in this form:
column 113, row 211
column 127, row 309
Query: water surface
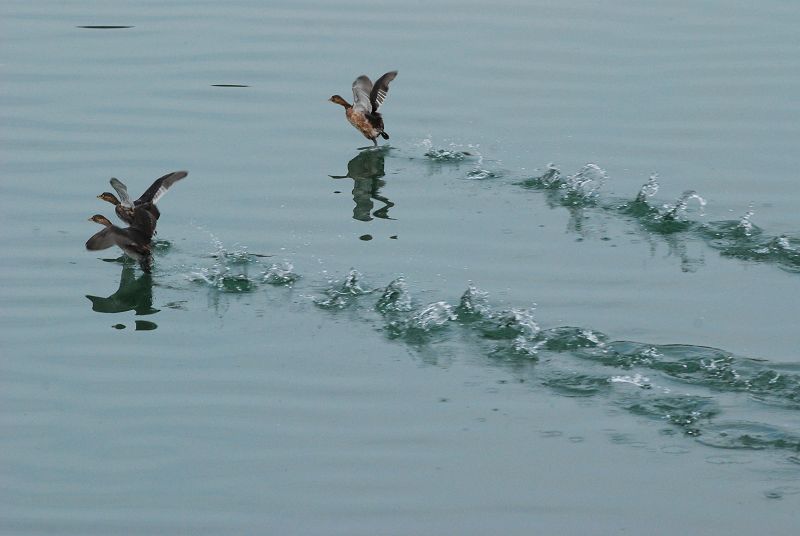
column 562, row 297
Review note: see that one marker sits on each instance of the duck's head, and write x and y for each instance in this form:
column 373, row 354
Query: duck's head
column 339, row 100
column 102, row 220
column 108, row 196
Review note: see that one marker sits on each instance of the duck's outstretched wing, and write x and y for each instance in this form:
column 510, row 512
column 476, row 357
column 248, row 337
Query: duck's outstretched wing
column 122, row 190
column 102, row 239
column 160, row 187
column 378, row 92
column 362, row 87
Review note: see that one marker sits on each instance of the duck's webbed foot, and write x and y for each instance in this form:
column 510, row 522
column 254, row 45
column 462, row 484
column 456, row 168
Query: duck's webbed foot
column 384, row 135
column 146, row 264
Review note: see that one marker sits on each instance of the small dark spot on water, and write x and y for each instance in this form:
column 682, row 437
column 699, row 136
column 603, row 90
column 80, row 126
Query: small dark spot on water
column 495, row 409
column 73, row 262
column 145, row 325
column 104, row 27
column 780, row 491
column 365, row 237
column 337, row 191
column 229, row 85
column 444, row 399
column 118, row 326
column 551, row 433
column 393, row 237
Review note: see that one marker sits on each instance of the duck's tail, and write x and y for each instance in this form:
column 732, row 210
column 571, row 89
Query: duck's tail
column 384, row 135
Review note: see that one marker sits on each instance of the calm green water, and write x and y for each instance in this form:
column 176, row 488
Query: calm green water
column 496, row 323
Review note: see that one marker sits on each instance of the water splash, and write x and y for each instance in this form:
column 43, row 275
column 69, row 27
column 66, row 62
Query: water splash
column 749, row 436
column 341, row 295
column 677, row 211
column 474, row 304
column 432, row 316
column 229, row 273
column 584, row 186
column 480, row 173
column 395, row 298
column 280, row 274
column 677, row 384
column 648, row 189
column 745, row 225
column 451, row 154
column 577, row 190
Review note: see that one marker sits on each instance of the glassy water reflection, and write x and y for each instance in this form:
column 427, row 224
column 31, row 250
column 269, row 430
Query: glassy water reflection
column 134, row 294
column 367, row 170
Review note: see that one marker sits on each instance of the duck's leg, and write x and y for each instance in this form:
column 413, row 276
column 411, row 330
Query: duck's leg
column 375, row 141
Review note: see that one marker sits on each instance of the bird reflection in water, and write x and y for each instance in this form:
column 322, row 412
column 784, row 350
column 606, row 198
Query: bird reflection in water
column 366, row 170
column 133, row 294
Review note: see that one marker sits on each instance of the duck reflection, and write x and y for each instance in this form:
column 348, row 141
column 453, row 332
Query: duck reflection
column 366, row 170
column 133, row 294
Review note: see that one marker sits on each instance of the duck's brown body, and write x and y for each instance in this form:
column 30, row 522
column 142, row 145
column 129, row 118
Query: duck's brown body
column 371, row 126
column 363, row 113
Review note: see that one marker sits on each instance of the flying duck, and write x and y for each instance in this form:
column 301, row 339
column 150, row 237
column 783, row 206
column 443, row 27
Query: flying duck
column 367, row 98
column 126, row 209
column 134, row 241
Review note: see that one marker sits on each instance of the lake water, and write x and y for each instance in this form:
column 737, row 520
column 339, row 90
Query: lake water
column 486, row 326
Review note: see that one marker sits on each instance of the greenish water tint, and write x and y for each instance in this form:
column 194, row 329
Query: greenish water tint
column 445, row 335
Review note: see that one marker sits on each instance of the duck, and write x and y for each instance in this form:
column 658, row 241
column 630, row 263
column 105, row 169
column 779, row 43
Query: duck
column 367, row 98
column 134, row 241
column 126, row 209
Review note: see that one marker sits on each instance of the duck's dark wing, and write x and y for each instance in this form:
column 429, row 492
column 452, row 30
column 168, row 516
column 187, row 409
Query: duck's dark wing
column 144, row 221
column 122, row 190
column 378, row 92
column 160, row 187
column 103, row 239
column 362, row 87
